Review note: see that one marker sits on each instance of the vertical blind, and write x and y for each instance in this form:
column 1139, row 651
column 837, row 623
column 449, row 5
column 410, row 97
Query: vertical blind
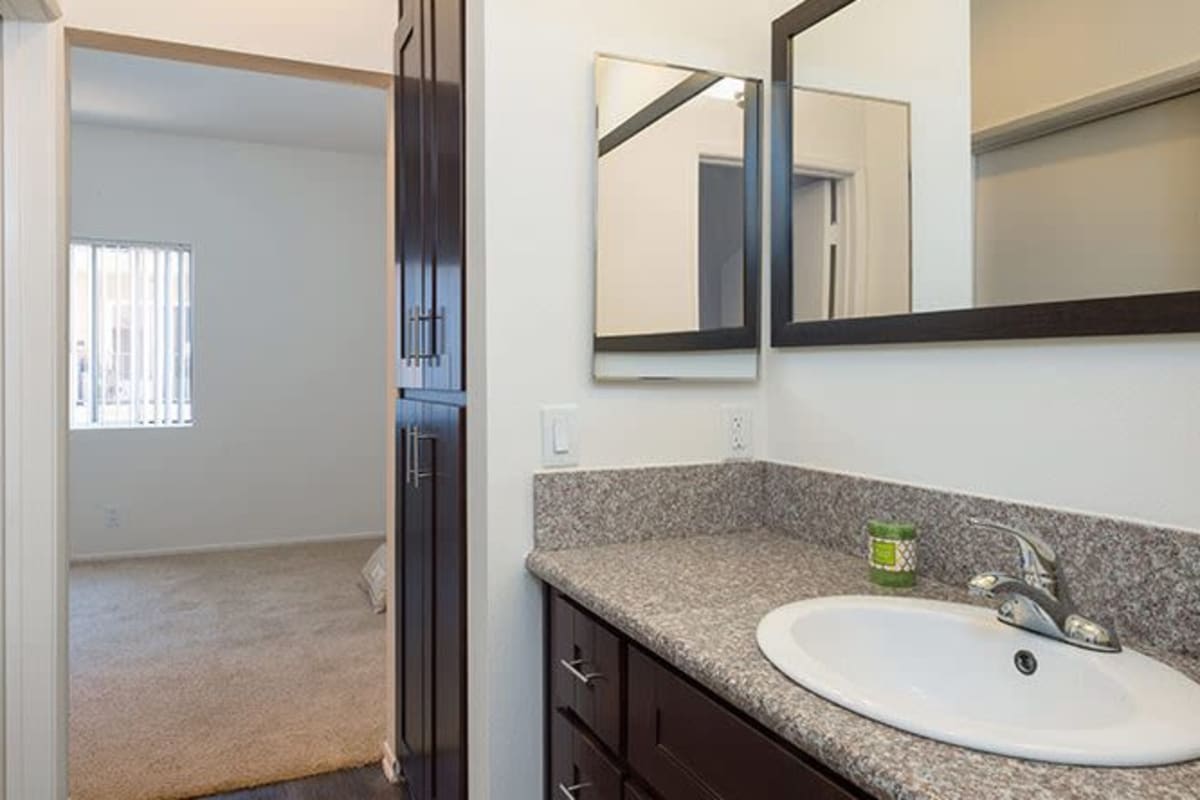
column 131, row 334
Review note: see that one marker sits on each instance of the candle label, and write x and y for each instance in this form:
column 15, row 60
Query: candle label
column 894, row 555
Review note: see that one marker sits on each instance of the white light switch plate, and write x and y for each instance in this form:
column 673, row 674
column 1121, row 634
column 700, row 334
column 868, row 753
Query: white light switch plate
column 738, row 431
column 560, row 436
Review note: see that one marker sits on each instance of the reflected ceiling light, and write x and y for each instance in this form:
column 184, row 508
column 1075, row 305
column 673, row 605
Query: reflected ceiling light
column 727, row 89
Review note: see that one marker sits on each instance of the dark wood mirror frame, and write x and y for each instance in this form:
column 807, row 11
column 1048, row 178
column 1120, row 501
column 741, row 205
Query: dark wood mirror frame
column 1176, row 312
column 745, row 336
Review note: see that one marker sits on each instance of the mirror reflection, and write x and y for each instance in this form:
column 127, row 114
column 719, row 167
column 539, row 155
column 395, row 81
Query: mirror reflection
column 850, row 206
column 958, row 155
column 671, row 230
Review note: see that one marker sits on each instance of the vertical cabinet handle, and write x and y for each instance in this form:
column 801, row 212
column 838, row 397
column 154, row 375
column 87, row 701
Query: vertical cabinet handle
column 412, row 465
column 568, row 792
column 436, row 336
column 411, row 346
column 414, row 341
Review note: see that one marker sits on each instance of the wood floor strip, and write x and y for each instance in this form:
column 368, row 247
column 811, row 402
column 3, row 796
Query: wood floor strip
column 365, row 783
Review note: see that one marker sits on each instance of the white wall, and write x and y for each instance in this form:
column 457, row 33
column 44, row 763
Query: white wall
column 1104, row 202
column 1098, row 210
column 34, row 291
column 1107, row 426
column 540, row 172
column 289, row 384
column 1069, row 49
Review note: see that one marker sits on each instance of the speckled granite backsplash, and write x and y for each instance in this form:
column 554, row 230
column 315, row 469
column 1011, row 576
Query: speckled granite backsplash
column 606, row 506
column 1143, row 578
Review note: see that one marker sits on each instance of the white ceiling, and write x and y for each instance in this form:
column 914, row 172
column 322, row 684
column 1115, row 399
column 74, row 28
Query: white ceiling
column 216, row 102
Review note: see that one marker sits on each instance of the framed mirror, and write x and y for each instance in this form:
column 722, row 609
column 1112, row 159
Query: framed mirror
column 984, row 169
column 678, row 209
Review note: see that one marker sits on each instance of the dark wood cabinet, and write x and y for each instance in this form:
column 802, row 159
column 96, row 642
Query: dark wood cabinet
column 586, row 670
column 414, row 510
column 431, row 563
column 430, row 207
column 580, row 769
column 687, row 745
column 632, row 792
column 431, row 552
column 674, row 740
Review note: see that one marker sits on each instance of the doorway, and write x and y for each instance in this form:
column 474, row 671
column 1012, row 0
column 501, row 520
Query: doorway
column 229, row 408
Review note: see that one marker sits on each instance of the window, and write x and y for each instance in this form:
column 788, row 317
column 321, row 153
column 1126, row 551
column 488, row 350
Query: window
column 131, row 335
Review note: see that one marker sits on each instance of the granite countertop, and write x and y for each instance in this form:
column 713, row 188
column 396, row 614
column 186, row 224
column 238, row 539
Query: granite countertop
column 696, row 602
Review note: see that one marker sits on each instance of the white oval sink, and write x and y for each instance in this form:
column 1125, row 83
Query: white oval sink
column 948, row 672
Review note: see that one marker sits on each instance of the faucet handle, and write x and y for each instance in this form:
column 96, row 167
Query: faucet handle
column 1039, row 562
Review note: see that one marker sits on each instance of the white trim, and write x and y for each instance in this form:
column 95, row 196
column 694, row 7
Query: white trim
column 3, row 483
column 30, row 10
column 391, row 765
column 850, row 232
column 1137, row 94
column 35, row 418
column 387, row 429
column 251, row 544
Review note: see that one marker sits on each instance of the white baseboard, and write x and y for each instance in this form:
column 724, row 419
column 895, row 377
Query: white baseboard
column 215, row 548
column 391, row 766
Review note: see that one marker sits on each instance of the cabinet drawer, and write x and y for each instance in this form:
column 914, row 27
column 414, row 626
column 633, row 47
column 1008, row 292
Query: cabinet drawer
column 578, row 770
column 688, row 745
column 586, row 670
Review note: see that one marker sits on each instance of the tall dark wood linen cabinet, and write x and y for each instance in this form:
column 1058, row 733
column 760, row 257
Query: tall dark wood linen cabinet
column 431, row 412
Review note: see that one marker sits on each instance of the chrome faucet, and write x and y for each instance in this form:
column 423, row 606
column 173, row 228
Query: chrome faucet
column 1038, row 601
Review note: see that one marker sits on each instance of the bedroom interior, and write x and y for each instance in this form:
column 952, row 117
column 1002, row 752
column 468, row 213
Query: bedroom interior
column 226, row 472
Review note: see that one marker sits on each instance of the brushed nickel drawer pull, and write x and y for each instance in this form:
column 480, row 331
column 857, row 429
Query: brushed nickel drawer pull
column 569, row 791
column 573, row 668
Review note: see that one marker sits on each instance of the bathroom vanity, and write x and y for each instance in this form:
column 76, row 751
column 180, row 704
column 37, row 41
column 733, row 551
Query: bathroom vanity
column 656, row 688
column 656, row 582
column 621, row 719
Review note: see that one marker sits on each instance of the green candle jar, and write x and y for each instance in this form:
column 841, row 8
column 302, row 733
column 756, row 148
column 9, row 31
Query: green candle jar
column 892, row 553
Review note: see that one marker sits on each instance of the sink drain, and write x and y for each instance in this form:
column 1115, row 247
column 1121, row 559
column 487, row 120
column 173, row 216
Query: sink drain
column 1026, row 662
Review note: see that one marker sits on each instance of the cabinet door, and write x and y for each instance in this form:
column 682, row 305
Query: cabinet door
column 414, row 570
column 586, row 670
column 413, row 279
column 430, row 207
column 578, row 768
column 688, row 746
column 432, row 612
column 446, row 425
column 447, row 369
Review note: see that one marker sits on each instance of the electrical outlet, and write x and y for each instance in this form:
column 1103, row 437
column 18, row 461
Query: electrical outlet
column 112, row 517
column 739, row 432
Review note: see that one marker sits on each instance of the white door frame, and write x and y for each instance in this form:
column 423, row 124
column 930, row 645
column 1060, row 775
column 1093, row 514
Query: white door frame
column 854, row 180
column 33, row 384
column 34, row 406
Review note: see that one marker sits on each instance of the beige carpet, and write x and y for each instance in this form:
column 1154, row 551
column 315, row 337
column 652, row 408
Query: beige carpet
column 195, row 674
